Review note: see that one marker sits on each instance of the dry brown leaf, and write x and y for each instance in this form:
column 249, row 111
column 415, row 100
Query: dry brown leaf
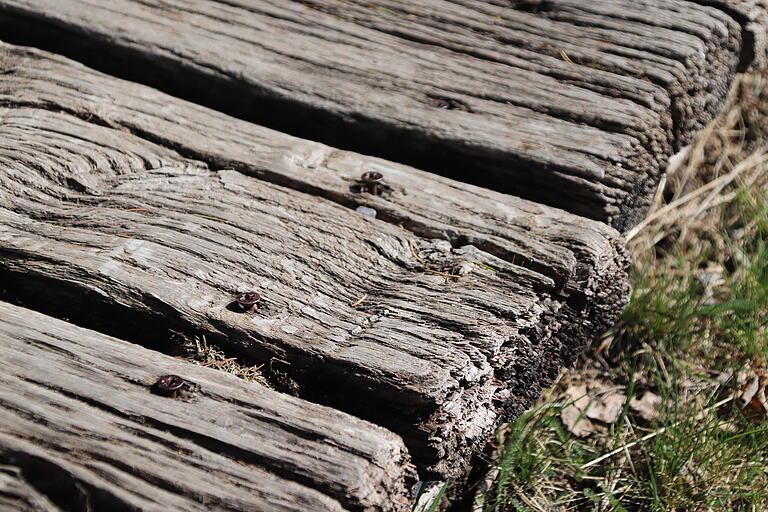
column 749, row 390
column 725, row 376
column 576, row 423
column 647, row 406
column 751, row 395
column 599, row 404
column 578, row 395
column 572, row 416
column 606, row 407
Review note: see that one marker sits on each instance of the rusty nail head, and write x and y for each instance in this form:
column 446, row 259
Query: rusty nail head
column 372, row 182
column 371, row 177
column 247, row 300
column 169, row 385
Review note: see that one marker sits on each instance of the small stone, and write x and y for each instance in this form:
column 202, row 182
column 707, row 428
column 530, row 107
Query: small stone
column 368, row 212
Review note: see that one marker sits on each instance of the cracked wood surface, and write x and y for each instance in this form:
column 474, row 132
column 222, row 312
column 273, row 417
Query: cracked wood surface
column 80, row 429
column 103, row 206
column 577, row 106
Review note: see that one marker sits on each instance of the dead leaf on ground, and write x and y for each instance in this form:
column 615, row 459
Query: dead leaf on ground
column 751, row 394
column 578, row 396
column 576, row 423
column 572, row 415
column 647, row 406
column 606, row 407
column 596, row 402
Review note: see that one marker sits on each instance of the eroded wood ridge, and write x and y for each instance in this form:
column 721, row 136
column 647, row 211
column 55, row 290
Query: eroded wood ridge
column 81, row 429
column 585, row 97
column 753, row 17
column 92, row 210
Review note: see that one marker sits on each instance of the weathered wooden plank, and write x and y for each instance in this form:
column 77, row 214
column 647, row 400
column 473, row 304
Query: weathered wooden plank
column 753, row 17
column 475, row 90
column 439, row 362
column 521, row 232
column 81, row 429
column 418, row 350
column 583, row 256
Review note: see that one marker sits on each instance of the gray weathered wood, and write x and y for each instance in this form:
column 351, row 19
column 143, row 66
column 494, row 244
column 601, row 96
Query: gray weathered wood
column 80, row 429
column 588, row 97
column 439, row 361
column 753, row 17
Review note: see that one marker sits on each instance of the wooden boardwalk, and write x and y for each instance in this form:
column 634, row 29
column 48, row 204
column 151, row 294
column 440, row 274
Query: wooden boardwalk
column 102, row 220
column 425, row 305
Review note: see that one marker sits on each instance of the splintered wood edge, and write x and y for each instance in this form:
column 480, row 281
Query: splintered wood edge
column 79, row 415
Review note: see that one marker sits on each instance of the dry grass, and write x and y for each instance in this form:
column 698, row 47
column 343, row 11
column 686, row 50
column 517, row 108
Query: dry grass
column 695, row 337
column 695, row 202
column 199, row 351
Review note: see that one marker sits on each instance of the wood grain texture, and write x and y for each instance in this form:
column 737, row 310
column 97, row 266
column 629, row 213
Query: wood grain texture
column 588, row 97
column 80, row 429
column 95, row 213
column 752, row 15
